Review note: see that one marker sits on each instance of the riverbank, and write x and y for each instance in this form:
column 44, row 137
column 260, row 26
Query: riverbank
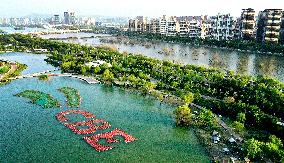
column 249, row 46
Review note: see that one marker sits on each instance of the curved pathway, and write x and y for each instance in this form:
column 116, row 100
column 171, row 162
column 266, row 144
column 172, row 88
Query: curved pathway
column 89, row 80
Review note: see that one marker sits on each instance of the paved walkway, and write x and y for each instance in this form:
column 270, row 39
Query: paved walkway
column 223, row 124
column 89, row 80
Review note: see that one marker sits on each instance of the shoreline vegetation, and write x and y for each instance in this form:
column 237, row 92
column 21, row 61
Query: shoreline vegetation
column 237, row 45
column 14, row 70
column 42, row 99
column 43, row 77
column 254, row 105
column 72, row 95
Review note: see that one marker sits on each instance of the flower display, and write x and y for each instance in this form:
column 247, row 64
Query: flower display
column 90, row 123
column 94, row 140
column 61, row 116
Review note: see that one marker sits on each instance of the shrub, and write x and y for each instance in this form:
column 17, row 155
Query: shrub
column 183, row 115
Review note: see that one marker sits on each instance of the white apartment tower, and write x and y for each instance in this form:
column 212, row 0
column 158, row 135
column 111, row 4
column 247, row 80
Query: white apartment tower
column 222, row 27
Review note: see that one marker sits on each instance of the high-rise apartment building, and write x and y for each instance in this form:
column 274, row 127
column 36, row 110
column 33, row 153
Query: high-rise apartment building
column 72, row 18
column 183, row 27
column 194, row 30
column 172, row 26
column 269, row 25
column 139, row 24
column 56, row 20
column 155, row 26
column 66, row 18
column 282, row 29
column 247, row 24
column 222, row 27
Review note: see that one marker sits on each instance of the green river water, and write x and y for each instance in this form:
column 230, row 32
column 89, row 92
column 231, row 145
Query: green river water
column 29, row 133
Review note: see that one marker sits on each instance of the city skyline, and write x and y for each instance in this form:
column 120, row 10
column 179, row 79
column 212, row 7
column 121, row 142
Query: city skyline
column 128, row 8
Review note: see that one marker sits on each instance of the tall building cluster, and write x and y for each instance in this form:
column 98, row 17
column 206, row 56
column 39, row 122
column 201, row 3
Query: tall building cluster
column 267, row 26
column 68, row 19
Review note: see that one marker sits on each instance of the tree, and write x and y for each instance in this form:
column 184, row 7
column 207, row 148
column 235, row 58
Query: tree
column 183, row 115
column 188, row 98
column 108, row 76
column 239, row 127
column 241, row 117
column 148, row 87
column 66, row 66
column 83, row 70
column 252, row 148
column 206, row 118
column 273, row 148
column 97, row 70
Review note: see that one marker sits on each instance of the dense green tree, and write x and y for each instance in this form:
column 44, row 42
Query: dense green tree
column 241, row 117
column 239, row 127
column 252, row 148
column 183, row 115
column 108, row 76
column 207, row 118
column 188, row 98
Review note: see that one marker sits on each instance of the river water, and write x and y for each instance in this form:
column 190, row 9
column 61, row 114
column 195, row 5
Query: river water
column 29, row 133
column 240, row 62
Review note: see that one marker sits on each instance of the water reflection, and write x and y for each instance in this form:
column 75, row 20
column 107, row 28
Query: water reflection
column 266, row 66
column 242, row 63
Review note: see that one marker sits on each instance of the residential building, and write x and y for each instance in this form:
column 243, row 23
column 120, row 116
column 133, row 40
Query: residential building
column 172, row 26
column 194, row 30
column 66, row 18
column 222, row 27
column 56, row 20
column 139, row 24
column 155, row 26
column 132, row 25
column 164, row 25
column 269, row 25
column 247, row 24
column 205, row 33
column 72, row 18
column 282, row 29
column 183, row 28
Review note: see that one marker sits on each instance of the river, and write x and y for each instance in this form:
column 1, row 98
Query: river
column 240, row 62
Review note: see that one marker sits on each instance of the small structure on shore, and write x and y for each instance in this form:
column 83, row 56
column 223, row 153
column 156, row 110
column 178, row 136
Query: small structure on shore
column 40, row 50
column 215, row 137
column 97, row 63
column 226, row 151
column 232, row 140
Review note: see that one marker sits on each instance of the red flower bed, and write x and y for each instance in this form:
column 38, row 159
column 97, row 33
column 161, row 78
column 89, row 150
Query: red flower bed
column 93, row 140
column 61, row 116
column 90, row 123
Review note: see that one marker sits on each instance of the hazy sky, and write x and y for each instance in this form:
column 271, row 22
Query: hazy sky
column 151, row 8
